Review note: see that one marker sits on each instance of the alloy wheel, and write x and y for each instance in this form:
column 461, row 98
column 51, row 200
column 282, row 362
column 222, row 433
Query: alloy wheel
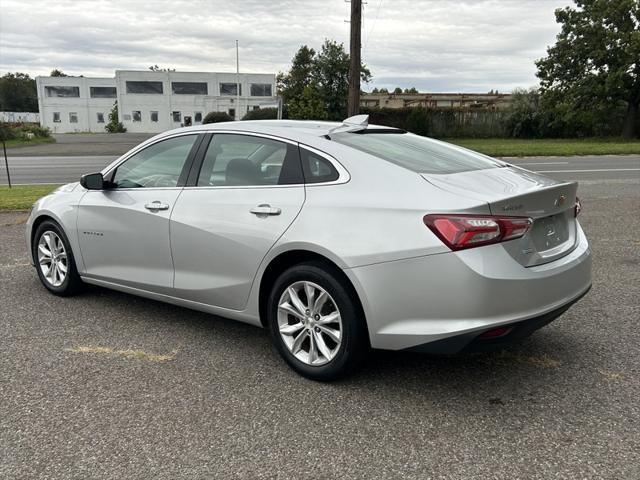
column 309, row 323
column 52, row 258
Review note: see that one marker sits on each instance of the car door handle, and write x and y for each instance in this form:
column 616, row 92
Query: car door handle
column 265, row 209
column 156, row 205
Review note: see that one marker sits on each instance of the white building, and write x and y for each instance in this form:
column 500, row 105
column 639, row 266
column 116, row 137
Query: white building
column 149, row 101
column 158, row 101
column 75, row 104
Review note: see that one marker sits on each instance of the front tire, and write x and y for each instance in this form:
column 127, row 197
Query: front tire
column 315, row 322
column 54, row 260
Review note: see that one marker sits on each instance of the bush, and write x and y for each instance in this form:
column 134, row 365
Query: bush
column 6, row 132
column 114, row 126
column 10, row 131
column 262, row 114
column 215, row 117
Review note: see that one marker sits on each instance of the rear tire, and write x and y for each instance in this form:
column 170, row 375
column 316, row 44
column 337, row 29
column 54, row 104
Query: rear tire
column 316, row 325
column 54, row 260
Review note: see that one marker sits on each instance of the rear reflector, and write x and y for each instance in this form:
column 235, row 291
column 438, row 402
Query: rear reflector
column 496, row 332
column 467, row 231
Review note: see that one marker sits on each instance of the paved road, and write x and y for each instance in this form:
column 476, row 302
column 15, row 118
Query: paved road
column 54, row 169
column 107, row 385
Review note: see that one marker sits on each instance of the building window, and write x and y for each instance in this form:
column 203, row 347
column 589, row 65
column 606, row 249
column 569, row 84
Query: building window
column 189, row 88
column 62, row 91
column 197, row 117
column 73, row 117
column 229, row 89
column 256, row 107
column 102, row 92
column 56, row 117
column 154, row 116
column 100, row 117
column 144, row 87
column 260, row 89
column 136, row 115
column 177, row 117
column 232, row 113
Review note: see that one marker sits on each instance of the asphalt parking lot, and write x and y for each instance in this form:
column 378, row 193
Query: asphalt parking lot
column 107, row 385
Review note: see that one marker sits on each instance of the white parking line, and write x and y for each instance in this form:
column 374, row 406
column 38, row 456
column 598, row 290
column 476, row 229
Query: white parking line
column 592, row 170
column 541, row 163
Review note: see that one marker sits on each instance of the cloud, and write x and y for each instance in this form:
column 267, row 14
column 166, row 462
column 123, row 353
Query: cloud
column 435, row 45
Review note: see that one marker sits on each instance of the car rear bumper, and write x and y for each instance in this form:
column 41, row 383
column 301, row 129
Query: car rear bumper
column 415, row 302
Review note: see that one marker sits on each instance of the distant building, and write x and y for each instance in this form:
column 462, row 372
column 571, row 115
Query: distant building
column 149, row 101
column 484, row 101
column 75, row 104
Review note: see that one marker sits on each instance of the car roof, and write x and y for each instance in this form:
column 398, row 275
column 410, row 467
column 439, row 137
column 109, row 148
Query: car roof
column 291, row 129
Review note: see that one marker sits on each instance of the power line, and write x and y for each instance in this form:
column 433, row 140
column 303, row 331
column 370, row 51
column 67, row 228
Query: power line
column 373, row 25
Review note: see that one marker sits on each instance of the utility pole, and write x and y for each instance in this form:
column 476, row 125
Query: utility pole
column 237, row 109
column 6, row 163
column 353, row 104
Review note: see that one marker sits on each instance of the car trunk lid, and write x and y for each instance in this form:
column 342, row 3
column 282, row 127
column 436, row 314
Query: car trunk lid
column 512, row 191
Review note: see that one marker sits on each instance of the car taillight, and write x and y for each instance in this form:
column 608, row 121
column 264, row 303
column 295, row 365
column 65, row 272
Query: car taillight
column 467, row 231
column 578, row 208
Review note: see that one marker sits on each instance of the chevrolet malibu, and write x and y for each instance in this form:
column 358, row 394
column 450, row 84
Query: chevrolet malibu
column 335, row 237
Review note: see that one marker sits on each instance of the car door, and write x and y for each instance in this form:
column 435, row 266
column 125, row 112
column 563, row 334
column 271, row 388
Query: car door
column 247, row 191
column 124, row 229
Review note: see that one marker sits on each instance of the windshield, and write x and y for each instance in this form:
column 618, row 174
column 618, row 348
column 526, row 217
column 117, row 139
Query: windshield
column 420, row 154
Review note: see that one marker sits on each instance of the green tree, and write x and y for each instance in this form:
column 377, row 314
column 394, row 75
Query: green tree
column 375, row 90
column 594, row 66
column 397, row 90
column 292, row 83
column 18, row 93
column 57, row 73
column 412, row 90
column 384, row 90
column 316, row 86
column 310, row 105
column 524, row 118
column 114, row 125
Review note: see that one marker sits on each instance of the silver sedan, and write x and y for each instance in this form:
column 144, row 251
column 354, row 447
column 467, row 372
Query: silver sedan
column 336, row 237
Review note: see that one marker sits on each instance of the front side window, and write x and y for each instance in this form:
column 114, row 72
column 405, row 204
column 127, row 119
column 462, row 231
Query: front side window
column 60, row 91
column 317, row 169
column 102, row 92
column 229, row 89
column 416, row 153
column 144, row 87
column 136, row 115
column 158, row 165
column 56, row 117
column 243, row 160
column 73, row 117
column 260, row 89
column 154, row 116
column 189, row 88
column 100, row 116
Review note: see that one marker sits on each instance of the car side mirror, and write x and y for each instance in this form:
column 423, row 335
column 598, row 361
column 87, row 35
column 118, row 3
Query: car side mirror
column 92, row 181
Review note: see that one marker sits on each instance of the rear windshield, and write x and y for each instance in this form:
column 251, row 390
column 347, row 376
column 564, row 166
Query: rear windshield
column 420, row 154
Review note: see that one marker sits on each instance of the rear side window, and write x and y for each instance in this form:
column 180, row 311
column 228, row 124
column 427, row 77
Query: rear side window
column 317, row 169
column 420, row 154
column 244, row 160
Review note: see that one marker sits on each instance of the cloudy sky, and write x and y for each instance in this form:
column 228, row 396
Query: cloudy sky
column 434, row 45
